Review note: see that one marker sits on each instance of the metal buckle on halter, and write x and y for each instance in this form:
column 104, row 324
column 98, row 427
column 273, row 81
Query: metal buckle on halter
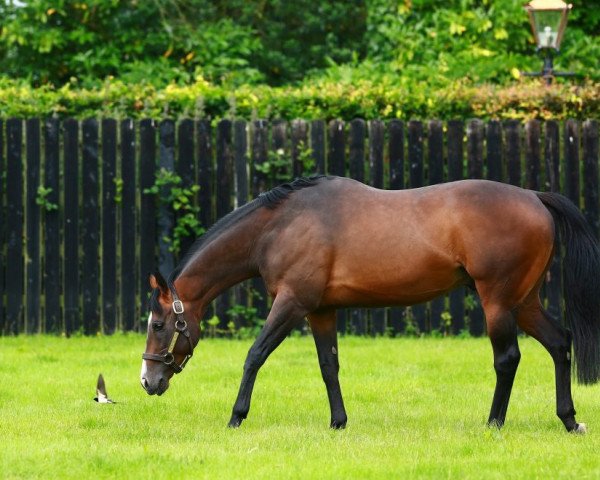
column 185, row 360
column 169, row 359
column 178, row 307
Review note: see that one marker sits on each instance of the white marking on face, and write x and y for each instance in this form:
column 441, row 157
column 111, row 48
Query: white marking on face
column 144, row 366
column 144, row 370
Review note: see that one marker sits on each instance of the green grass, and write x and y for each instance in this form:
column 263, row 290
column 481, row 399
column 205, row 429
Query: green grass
column 417, row 409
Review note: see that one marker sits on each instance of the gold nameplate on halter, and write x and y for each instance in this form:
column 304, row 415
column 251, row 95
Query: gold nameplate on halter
column 173, row 341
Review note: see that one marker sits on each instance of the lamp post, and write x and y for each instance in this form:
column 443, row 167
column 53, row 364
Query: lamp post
column 548, row 19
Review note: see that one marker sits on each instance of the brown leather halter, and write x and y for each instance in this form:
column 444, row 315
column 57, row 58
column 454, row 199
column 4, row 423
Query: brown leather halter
column 180, row 329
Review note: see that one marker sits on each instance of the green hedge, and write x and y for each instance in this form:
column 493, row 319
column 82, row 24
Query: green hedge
column 322, row 99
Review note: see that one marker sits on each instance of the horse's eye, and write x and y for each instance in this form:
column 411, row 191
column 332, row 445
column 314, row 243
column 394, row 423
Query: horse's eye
column 156, row 326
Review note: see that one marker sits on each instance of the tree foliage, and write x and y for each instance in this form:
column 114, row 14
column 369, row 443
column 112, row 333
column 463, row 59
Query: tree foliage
column 241, row 41
column 480, row 40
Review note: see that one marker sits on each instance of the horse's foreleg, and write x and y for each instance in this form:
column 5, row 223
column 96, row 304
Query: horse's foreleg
column 285, row 314
column 557, row 341
column 323, row 326
column 502, row 330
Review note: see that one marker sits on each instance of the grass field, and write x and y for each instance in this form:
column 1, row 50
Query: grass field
column 416, row 408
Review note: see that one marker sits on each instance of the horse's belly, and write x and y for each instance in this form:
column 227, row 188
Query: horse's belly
column 392, row 286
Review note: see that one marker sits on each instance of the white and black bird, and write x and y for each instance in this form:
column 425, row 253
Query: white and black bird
column 101, row 396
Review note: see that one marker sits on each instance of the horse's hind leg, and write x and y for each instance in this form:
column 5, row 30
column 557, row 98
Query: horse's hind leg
column 284, row 316
column 557, row 340
column 323, row 326
column 502, row 330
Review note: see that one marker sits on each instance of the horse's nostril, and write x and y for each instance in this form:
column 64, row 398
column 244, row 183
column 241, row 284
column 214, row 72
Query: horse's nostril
column 145, row 383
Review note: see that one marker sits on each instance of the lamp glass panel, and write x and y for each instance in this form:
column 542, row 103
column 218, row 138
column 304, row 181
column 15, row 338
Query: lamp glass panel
column 546, row 26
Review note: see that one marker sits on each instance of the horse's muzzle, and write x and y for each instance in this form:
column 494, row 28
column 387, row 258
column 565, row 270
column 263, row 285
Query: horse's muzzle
column 157, row 388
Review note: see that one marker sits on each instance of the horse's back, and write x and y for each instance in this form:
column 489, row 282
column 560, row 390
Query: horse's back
column 407, row 246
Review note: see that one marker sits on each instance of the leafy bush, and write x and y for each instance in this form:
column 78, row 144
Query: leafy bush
column 321, row 99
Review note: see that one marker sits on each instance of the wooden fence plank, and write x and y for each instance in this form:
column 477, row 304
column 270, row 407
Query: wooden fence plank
column 590, row 174
column 109, row 226
column 166, row 215
column 90, row 228
column 300, row 146
column 494, row 162
column 396, row 154
column 415, row 153
column 455, row 150
column 571, row 145
column 186, row 169
column 435, row 147
column 356, row 142
column 336, row 158
column 475, row 133
column 51, row 284
column 532, row 155
column 259, row 153
column 512, row 130
column 148, row 230
column 15, row 216
column 376, row 152
column 317, row 144
column 279, row 150
column 552, row 156
column 33, row 288
column 205, row 172
column 129, row 310
column 70, row 264
column 240, row 148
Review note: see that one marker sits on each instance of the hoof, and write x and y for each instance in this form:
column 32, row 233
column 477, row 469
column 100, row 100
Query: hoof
column 337, row 425
column 235, row 422
column 580, row 429
column 495, row 424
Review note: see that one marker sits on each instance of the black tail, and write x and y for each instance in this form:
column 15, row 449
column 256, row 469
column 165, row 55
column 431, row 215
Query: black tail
column 581, row 276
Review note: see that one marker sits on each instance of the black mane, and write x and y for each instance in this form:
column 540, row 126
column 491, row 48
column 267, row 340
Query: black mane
column 270, row 199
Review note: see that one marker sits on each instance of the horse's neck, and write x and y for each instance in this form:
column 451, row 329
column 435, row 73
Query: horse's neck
column 223, row 262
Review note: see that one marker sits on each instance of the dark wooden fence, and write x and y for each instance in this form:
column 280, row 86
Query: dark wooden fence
column 75, row 255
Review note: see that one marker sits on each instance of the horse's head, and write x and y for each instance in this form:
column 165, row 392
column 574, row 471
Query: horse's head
column 172, row 336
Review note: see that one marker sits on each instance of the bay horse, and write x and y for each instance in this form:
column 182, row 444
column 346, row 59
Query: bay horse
column 323, row 243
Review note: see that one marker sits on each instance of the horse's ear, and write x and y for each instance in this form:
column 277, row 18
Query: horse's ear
column 158, row 281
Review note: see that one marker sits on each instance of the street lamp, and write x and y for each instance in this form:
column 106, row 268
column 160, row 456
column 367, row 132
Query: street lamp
column 548, row 19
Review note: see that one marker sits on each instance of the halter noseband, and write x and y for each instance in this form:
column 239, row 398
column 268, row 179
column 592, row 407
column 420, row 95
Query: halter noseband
column 180, row 328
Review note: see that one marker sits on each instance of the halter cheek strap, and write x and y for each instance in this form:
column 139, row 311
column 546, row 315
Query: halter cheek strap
column 180, row 329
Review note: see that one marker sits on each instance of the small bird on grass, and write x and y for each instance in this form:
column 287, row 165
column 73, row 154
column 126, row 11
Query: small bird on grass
column 101, row 396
